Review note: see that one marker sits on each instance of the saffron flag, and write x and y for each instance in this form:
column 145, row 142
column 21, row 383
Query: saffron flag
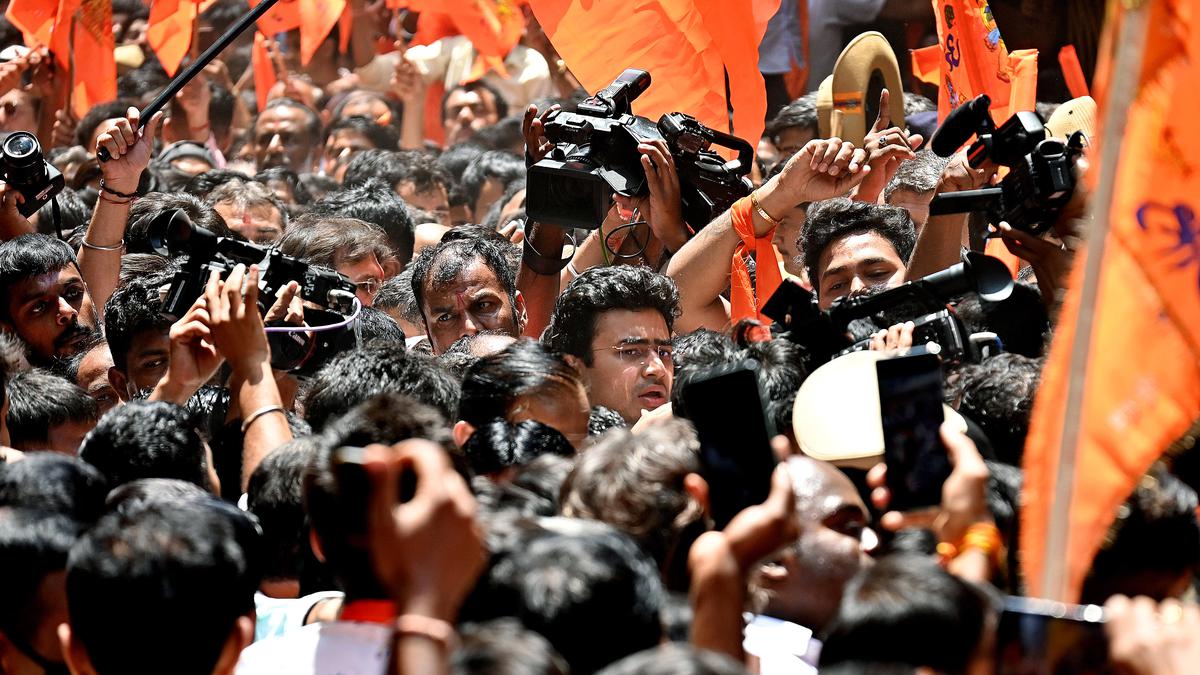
column 1139, row 388
column 171, row 28
column 317, row 19
column 692, row 49
column 975, row 61
column 34, row 18
column 281, row 18
column 86, row 52
column 265, row 76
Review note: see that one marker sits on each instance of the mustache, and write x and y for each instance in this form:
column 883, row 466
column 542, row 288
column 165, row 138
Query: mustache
column 74, row 331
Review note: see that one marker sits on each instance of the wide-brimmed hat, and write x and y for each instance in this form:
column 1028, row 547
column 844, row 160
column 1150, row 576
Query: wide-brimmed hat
column 836, row 417
column 1078, row 114
column 848, row 100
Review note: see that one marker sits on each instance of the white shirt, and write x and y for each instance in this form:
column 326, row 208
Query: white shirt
column 782, row 647
column 327, row 648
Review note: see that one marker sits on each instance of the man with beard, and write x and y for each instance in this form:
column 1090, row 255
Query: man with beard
column 45, row 301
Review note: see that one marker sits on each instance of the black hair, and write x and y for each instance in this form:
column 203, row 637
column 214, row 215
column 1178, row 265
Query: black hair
column 498, row 444
column 801, row 113
column 1155, row 540
column 454, row 159
column 675, row 659
column 146, row 209
column 388, row 419
column 94, row 117
column 146, row 439
column 286, row 175
column 997, row 394
column 54, row 482
column 33, row 545
column 275, row 496
column 1020, row 320
column 564, row 585
column 357, row 375
column 190, row 566
column 73, row 212
column 142, row 493
column 134, row 85
column 396, row 293
column 312, row 126
column 396, row 167
column 907, row 609
column 494, row 383
column 493, row 217
column 478, row 86
column 132, row 310
column 604, row 289
column 493, row 164
column 503, row 646
column 376, row 327
column 833, row 219
column 139, row 265
column 375, row 203
column 203, row 183
column 440, row 264
column 319, row 186
column 702, row 348
column 28, row 256
column 220, row 108
column 602, row 419
column 360, row 94
column 503, row 135
column 38, row 401
column 383, row 137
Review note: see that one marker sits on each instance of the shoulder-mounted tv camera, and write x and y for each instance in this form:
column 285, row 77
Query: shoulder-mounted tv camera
column 1041, row 179
column 595, row 155
column 328, row 328
column 847, row 326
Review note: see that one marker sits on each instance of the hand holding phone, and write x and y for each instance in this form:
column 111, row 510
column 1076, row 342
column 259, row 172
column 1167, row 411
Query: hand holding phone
column 910, row 406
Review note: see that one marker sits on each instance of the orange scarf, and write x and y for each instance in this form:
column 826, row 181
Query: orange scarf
column 768, row 278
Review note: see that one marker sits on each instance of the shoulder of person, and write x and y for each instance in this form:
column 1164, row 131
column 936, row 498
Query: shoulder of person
column 325, row 648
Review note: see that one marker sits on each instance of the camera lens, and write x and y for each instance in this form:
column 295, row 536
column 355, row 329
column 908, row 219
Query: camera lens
column 21, row 149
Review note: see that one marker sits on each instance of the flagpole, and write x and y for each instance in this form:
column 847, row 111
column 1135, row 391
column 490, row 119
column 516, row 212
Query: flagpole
column 1124, row 77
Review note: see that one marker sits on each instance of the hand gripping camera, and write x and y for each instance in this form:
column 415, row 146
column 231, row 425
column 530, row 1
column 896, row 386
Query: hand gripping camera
column 300, row 350
column 1042, row 177
column 595, row 154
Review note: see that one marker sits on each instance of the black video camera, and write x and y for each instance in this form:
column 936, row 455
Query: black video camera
column 1042, row 177
column 23, row 166
column 827, row 334
column 172, row 233
column 595, row 154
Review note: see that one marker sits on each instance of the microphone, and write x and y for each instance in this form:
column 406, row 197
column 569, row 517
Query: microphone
column 960, row 125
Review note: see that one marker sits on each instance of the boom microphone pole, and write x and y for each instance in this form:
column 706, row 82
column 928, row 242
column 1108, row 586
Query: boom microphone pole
column 196, row 66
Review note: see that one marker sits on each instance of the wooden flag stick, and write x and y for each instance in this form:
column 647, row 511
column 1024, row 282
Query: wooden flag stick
column 1124, row 77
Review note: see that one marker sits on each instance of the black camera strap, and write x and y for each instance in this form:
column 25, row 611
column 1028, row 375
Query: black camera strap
column 57, row 217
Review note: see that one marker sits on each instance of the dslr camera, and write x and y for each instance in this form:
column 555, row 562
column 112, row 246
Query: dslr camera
column 847, row 326
column 595, row 154
column 23, row 166
column 1042, row 177
column 301, row 351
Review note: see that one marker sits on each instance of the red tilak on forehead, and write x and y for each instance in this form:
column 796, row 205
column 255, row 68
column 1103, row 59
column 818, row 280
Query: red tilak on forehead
column 458, row 298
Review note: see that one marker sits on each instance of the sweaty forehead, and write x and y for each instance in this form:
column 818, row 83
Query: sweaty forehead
column 449, row 273
column 851, row 249
column 820, row 487
column 280, row 116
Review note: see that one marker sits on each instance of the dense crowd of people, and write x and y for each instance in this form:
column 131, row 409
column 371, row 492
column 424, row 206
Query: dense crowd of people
column 483, row 462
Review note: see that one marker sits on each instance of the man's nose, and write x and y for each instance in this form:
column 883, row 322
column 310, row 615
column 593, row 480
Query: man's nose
column 857, row 285
column 470, row 326
column 655, row 366
column 66, row 313
column 276, row 143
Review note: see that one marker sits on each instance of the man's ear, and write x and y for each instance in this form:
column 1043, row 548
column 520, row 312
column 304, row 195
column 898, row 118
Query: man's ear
column 315, row 542
column 697, row 488
column 73, row 652
column 576, row 363
column 240, row 637
column 119, row 383
column 521, row 313
column 462, row 432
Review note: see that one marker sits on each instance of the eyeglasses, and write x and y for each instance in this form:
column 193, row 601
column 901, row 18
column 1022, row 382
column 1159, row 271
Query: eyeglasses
column 368, row 286
column 640, row 355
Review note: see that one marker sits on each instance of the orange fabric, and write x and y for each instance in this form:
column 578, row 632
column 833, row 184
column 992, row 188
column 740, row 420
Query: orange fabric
column 1142, row 386
column 746, row 302
column 170, row 30
column 94, row 80
column 926, row 64
column 975, row 61
column 674, row 40
column 265, row 76
column 281, row 18
column 1068, row 59
column 997, row 249
column 34, row 18
column 317, row 19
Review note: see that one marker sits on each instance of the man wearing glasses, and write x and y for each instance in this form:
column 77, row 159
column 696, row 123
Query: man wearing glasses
column 614, row 324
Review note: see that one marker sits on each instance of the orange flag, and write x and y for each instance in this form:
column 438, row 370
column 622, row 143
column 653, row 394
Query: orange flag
column 1123, row 379
column 317, row 19
column 281, row 18
column 90, row 46
column 975, row 61
column 265, row 76
column 675, row 41
column 170, row 29
column 34, row 18
column 1068, row 59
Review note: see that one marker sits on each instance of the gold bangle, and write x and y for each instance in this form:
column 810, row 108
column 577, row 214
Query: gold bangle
column 773, row 222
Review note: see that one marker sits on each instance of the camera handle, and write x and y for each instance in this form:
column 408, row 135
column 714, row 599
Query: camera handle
column 196, row 66
column 744, row 150
column 965, row 201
